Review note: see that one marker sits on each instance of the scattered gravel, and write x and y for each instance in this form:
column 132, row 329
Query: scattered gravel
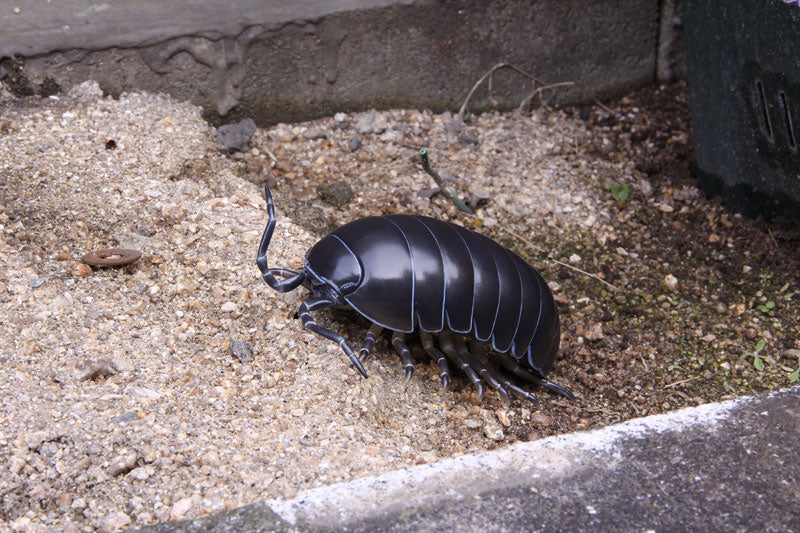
column 129, row 396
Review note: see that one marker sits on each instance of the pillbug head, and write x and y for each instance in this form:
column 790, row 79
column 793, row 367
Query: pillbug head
column 333, row 263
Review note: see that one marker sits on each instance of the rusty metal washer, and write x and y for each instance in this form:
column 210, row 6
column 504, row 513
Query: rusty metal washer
column 111, row 257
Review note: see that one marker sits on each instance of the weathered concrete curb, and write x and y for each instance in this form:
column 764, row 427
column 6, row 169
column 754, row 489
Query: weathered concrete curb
column 285, row 61
column 720, row 467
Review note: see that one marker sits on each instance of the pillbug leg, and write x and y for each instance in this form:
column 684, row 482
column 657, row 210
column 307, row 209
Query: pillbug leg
column 398, row 341
column 438, row 356
column 512, row 366
column 484, row 370
column 555, row 387
column 479, row 353
column 309, row 324
column 446, row 342
column 372, row 335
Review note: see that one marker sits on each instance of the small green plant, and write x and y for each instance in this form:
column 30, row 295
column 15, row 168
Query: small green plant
column 791, row 295
column 619, row 191
column 673, row 367
column 794, row 376
column 758, row 359
column 767, row 308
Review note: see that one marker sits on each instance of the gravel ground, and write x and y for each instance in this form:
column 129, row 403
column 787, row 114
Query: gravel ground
column 181, row 385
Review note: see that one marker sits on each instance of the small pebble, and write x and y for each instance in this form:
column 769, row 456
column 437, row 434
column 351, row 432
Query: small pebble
column 122, row 464
column 141, row 473
column 81, row 270
column 337, row 193
column 354, row 143
column 372, row 123
column 502, row 416
column 671, row 282
column 180, row 508
column 95, row 369
column 454, row 126
column 315, row 133
column 493, row 432
column 16, row 464
column 236, row 137
column 23, row 524
column 242, row 350
column 471, row 423
column 645, row 187
column 282, row 134
column 595, row 332
column 479, row 198
column 541, row 420
column 143, row 392
column 173, row 212
column 392, row 136
column 229, row 307
column 115, row 521
column 128, row 416
column 468, row 138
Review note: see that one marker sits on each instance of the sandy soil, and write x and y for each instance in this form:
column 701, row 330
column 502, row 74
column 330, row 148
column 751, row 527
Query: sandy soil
column 123, row 403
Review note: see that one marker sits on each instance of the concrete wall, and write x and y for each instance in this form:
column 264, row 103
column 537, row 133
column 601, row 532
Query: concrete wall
column 280, row 61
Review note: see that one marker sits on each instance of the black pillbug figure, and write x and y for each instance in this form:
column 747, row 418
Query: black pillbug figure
column 408, row 272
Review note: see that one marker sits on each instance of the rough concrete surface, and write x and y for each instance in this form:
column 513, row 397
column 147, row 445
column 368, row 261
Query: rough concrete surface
column 277, row 63
column 745, row 97
column 731, row 466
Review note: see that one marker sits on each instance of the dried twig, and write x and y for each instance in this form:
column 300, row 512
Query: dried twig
column 538, row 91
column 534, row 89
column 604, row 107
column 681, row 382
column 423, row 154
column 270, row 154
column 556, row 261
column 593, row 276
column 774, row 240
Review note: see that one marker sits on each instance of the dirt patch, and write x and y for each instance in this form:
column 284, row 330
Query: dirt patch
column 130, row 396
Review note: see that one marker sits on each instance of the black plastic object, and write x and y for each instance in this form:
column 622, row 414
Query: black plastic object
column 744, row 78
column 407, row 272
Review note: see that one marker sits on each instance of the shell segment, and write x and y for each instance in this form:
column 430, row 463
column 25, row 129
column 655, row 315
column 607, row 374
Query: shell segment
column 531, row 308
column 386, row 292
column 545, row 344
column 428, row 272
column 508, row 312
column 487, row 284
column 458, row 274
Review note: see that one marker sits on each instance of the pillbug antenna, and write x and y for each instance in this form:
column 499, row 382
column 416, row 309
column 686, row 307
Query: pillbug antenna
column 292, row 279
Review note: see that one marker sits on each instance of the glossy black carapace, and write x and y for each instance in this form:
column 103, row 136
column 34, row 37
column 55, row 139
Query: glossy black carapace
column 409, row 272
